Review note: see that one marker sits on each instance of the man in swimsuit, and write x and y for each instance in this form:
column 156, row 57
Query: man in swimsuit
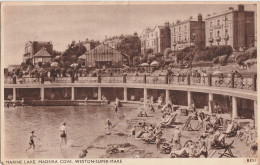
column 31, row 142
column 63, row 134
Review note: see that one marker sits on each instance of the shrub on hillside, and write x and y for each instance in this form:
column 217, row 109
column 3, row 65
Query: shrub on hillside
column 216, row 60
column 251, row 52
column 223, row 60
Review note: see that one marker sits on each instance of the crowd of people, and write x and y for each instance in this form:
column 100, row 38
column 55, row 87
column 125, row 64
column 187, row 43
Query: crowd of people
column 212, row 127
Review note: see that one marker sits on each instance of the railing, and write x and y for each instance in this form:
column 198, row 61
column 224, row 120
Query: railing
column 221, row 82
column 112, row 79
column 247, row 83
column 62, row 80
column 135, row 79
column 178, row 80
column 243, row 83
column 155, row 79
column 87, row 80
column 199, row 80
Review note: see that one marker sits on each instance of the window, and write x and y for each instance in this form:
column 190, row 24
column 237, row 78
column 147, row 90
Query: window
column 179, row 38
column 152, row 34
column 174, row 30
column 185, row 27
column 185, row 38
column 210, row 24
column 218, row 34
column 148, row 36
column 226, row 32
column 210, row 34
column 218, row 22
column 179, row 28
column 174, row 39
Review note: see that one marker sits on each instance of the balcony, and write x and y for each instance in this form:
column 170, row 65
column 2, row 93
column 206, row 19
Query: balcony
column 226, row 37
column 218, row 39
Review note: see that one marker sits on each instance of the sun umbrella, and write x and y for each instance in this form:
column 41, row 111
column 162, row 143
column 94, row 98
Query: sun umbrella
column 217, row 73
column 154, row 63
column 144, row 64
column 57, row 57
column 54, row 64
column 74, row 65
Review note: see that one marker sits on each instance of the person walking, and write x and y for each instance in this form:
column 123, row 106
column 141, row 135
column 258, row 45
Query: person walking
column 31, row 142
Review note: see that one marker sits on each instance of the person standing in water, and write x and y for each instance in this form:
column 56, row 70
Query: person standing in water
column 31, row 142
column 116, row 105
column 22, row 102
column 63, row 134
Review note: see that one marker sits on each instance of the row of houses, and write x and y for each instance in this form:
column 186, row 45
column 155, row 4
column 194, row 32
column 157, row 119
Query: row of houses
column 232, row 27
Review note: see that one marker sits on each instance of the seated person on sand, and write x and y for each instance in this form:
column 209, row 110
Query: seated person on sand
column 83, row 154
column 148, row 135
column 192, row 107
column 214, row 138
column 142, row 113
column 188, row 149
column 160, row 101
column 175, row 148
column 167, row 105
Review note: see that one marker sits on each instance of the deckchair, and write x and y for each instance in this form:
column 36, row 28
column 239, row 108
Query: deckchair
column 187, row 125
column 227, row 149
column 231, row 130
column 171, row 121
column 220, row 142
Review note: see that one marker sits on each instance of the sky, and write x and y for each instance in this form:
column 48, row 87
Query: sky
column 63, row 23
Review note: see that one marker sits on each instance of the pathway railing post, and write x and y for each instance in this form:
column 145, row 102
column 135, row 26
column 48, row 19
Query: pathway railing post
column 42, row 79
column 210, row 80
column 166, row 78
column 99, row 78
column 232, row 80
column 254, row 82
column 124, row 78
column 188, row 79
column 14, row 80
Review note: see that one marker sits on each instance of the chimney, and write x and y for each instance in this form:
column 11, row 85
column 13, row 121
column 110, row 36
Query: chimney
column 241, row 8
column 200, row 18
column 166, row 24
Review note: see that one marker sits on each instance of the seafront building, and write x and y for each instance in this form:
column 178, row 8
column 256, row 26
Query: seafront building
column 33, row 47
column 233, row 27
column 187, row 33
column 104, row 56
column 157, row 39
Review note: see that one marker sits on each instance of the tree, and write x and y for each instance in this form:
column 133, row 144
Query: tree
column 136, row 60
column 73, row 51
column 130, row 45
column 40, row 64
column 167, row 52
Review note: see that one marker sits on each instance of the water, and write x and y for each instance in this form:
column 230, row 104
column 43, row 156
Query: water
column 82, row 128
